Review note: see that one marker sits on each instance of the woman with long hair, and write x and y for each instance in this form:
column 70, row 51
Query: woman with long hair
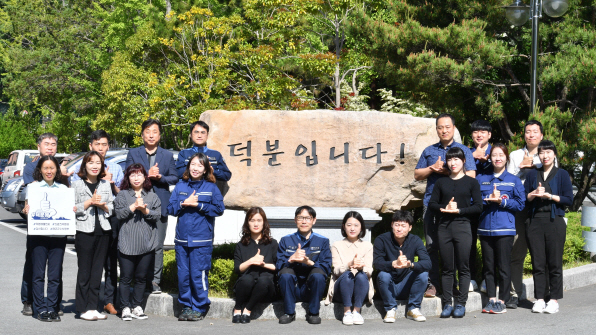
column 254, row 262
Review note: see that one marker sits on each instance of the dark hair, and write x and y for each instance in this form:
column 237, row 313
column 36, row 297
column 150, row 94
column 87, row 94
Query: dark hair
column 502, row 147
column 310, row 210
column 204, row 160
column 481, row 125
column 98, row 135
column 265, row 233
column 135, row 168
column 455, row 152
column 37, row 175
column 201, row 124
column 357, row 216
column 534, row 122
column 547, row 145
column 149, row 123
column 403, row 216
column 83, row 171
column 445, row 115
column 46, row 135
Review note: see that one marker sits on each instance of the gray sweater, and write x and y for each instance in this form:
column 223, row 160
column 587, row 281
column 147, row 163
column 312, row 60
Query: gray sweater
column 138, row 232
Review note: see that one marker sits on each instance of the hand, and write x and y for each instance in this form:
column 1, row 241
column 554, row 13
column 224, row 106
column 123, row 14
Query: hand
column 96, row 200
column 192, row 201
column 74, row 209
column 64, row 171
column 258, row 259
column 495, row 196
column 108, row 175
column 357, row 263
column 44, row 204
column 26, row 209
column 480, row 154
column 401, row 262
column 299, row 256
column 527, row 162
column 451, row 207
column 439, row 166
column 538, row 192
column 154, row 172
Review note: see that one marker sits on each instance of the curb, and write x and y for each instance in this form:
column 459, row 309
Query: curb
column 166, row 304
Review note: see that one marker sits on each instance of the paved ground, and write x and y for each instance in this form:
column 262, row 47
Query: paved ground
column 577, row 316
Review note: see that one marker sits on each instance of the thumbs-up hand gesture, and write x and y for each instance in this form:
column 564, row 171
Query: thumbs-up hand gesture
column 44, row 203
column 63, row 171
column 299, row 256
column 108, row 175
column 495, row 196
column 401, row 262
column 258, row 259
column 96, row 199
column 357, row 263
column 192, row 200
column 481, row 154
column 527, row 162
column 154, row 172
column 451, row 207
column 439, row 166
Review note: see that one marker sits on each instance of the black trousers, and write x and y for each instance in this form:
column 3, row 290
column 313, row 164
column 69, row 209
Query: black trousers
column 155, row 275
column 430, row 222
column 455, row 241
column 91, row 255
column 474, row 250
column 111, row 266
column 546, row 240
column 134, row 267
column 48, row 251
column 27, row 279
column 250, row 290
column 496, row 254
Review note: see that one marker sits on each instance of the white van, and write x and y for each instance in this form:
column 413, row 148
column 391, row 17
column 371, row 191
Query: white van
column 16, row 163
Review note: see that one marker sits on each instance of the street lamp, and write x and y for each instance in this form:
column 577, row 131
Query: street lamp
column 518, row 14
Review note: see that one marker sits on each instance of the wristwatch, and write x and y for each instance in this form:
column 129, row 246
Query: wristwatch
column 412, row 265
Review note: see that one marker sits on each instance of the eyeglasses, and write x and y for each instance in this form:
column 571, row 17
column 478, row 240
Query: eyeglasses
column 304, row 218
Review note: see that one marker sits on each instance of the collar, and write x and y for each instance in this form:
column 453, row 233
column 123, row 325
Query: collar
column 304, row 239
column 395, row 241
column 133, row 193
column 439, row 145
column 502, row 176
column 145, row 149
column 350, row 244
column 195, row 182
column 43, row 183
column 198, row 149
column 528, row 152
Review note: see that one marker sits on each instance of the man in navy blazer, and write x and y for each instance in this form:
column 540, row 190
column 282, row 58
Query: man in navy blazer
column 161, row 167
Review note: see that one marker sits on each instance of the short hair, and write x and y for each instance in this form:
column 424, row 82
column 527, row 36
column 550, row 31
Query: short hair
column 46, row 135
column 481, row 125
column 265, row 233
column 547, row 145
column 132, row 169
column 83, row 170
column 502, row 147
column 443, row 116
column 534, row 122
column 455, row 152
column 310, row 210
column 403, row 216
column 98, row 135
column 149, row 123
column 37, row 175
column 357, row 216
column 204, row 160
column 201, row 124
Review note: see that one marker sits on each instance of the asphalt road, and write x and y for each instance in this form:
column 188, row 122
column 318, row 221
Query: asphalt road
column 577, row 315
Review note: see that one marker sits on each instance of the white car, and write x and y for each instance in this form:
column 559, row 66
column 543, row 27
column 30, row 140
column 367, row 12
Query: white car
column 16, row 163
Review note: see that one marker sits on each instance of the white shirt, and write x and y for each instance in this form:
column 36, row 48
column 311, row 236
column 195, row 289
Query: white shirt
column 515, row 159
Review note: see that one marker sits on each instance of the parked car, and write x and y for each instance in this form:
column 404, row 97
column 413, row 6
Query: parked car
column 8, row 196
column 16, row 163
column 2, row 166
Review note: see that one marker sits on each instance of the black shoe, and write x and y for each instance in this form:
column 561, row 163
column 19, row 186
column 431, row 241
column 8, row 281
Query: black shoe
column 237, row 318
column 156, row 289
column 313, row 319
column 54, row 317
column 185, row 314
column 245, row 318
column 287, row 318
column 512, row 303
column 196, row 316
column 27, row 310
column 44, row 316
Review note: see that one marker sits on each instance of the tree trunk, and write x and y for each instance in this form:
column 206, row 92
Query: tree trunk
column 168, row 7
column 336, row 79
column 583, row 184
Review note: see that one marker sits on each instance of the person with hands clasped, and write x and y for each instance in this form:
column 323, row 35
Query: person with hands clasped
column 303, row 262
column 503, row 195
column 451, row 198
column 196, row 201
column 93, row 205
column 137, row 208
column 400, row 277
column 254, row 262
column 548, row 190
column 351, row 281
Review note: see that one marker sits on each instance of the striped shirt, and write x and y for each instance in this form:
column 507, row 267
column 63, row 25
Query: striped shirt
column 138, row 232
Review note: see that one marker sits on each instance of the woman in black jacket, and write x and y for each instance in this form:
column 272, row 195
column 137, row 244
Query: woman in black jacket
column 254, row 262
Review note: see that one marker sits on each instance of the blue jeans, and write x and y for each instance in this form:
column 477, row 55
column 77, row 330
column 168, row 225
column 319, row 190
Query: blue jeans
column 309, row 290
column 351, row 289
column 411, row 286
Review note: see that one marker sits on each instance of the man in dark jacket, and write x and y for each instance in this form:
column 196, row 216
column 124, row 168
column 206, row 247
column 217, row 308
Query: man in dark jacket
column 400, row 277
column 161, row 168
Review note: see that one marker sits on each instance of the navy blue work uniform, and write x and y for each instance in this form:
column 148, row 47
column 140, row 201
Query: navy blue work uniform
column 194, row 240
column 220, row 169
column 300, row 282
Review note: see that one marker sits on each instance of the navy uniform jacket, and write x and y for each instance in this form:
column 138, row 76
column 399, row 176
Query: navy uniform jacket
column 316, row 248
column 167, row 169
column 499, row 220
column 220, row 169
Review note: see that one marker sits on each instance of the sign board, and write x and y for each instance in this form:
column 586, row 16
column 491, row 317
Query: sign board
column 51, row 212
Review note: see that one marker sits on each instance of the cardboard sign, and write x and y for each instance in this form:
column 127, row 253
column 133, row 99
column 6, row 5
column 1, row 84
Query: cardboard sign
column 51, row 212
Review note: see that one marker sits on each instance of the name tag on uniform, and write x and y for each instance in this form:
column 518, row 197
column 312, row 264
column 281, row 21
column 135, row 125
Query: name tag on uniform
column 315, row 248
column 183, row 193
column 486, row 183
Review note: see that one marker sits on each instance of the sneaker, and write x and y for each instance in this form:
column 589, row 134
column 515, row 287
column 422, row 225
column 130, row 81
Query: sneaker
column 100, row 316
column 539, row 306
column 138, row 314
column 483, row 286
column 488, row 307
column 357, row 317
column 126, row 314
column 447, row 311
column 498, row 308
column 390, row 316
column 431, row 291
column 287, row 318
column 459, row 311
column 109, row 308
column 552, row 307
column 27, row 309
column 473, row 286
column 313, row 319
column 512, row 302
column 414, row 314
column 89, row 316
column 196, row 316
column 156, row 289
column 348, row 319
column 44, row 316
column 185, row 314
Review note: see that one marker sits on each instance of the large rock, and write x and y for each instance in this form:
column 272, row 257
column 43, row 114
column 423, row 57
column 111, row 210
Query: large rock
column 291, row 158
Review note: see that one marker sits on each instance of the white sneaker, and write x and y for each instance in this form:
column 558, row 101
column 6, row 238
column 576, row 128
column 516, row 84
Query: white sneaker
column 137, row 313
column 126, row 314
column 99, row 315
column 89, row 316
column 552, row 307
column 473, row 286
column 414, row 314
column 358, row 319
column 539, row 306
column 483, row 286
column 348, row 320
column 390, row 316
